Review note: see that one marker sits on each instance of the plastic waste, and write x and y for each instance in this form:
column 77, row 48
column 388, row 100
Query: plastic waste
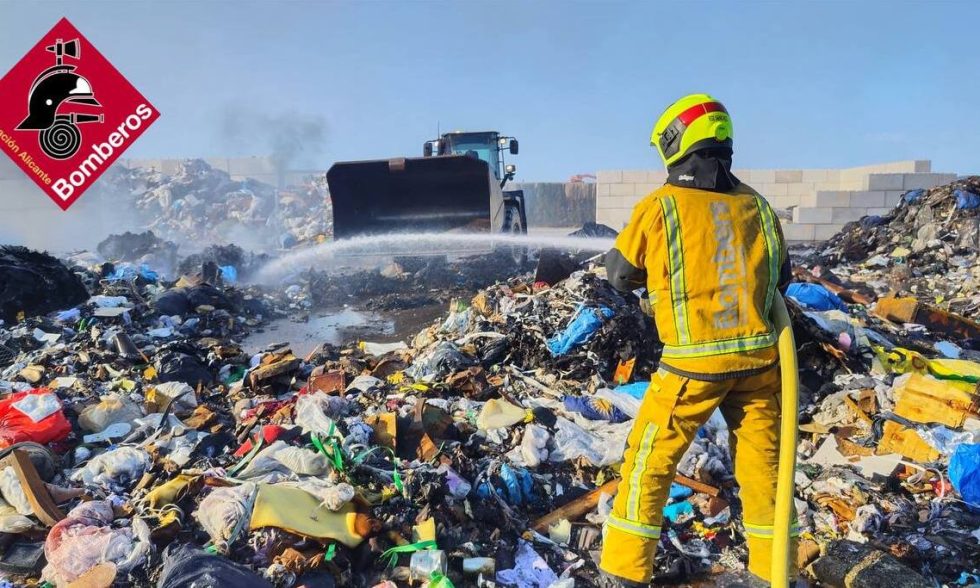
column 225, row 512
column 34, row 415
column 68, row 316
column 945, row 440
column 458, row 486
column 815, row 296
column 117, row 469
column 636, row 389
column 111, row 408
column 913, row 196
column 316, row 412
column 13, row 493
column 185, row 565
column 516, row 486
column 583, row 325
column 474, row 566
column 381, row 348
column 596, row 409
column 964, row 473
column 498, row 413
column 427, row 562
column 444, row 359
column 364, row 383
column 108, row 301
column 113, row 431
column 228, row 273
column 279, row 460
column 178, row 395
column 678, row 512
column 530, row 569
column 175, row 366
column 966, row 200
column 534, row 445
column 84, row 539
column 601, row 448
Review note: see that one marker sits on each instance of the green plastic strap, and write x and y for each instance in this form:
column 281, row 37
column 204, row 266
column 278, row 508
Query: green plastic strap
column 211, row 549
column 437, row 580
column 392, row 554
column 257, row 444
column 331, row 552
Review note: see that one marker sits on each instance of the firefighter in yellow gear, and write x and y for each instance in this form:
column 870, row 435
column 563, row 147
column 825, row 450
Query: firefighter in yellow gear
column 710, row 252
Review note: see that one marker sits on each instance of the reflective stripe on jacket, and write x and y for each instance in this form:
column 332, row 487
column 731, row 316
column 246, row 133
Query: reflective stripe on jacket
column 712, row 266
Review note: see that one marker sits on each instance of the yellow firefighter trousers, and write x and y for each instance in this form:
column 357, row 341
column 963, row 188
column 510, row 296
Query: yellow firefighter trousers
column 673, row 409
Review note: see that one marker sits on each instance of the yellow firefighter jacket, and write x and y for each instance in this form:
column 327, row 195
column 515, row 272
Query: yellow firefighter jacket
column 712, row 264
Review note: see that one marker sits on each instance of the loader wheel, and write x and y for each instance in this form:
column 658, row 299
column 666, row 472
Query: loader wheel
column 513, row 226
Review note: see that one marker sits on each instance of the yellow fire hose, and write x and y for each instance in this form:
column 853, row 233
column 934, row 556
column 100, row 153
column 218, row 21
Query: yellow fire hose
column 782, row 558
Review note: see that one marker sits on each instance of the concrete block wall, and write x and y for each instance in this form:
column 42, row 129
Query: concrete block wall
column 821, row 201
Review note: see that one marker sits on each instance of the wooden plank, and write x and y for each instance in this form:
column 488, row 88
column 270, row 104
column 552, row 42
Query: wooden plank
column 37, row 493
column 575, row 509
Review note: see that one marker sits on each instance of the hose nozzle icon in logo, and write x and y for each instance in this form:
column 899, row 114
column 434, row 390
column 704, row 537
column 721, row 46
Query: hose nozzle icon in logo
column 59, row 136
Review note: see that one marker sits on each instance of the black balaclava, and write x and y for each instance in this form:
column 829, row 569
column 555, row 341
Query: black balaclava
column 705, row 169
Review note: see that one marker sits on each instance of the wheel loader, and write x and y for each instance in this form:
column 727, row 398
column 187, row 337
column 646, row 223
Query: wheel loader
column 456, row 186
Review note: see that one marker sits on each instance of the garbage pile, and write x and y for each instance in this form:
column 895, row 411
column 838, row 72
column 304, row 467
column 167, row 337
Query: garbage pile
column 201, row 204
column 926, row 247
column 145, row 446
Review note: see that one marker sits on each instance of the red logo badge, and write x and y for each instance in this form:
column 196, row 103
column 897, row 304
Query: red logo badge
column 66, row 114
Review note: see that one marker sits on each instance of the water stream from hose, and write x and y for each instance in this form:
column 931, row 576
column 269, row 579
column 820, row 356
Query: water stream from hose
column 346, row 252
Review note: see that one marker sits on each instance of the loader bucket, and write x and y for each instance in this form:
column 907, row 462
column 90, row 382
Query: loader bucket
column 424, row 194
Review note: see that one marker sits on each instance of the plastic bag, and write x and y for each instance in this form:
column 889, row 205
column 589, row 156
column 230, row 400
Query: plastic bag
column 530, row 569
column 584, row 323
column 110, row 409
column 279, row 461
column 815, row 296
column 966, row 200
column 186, row 565
column 13, row 492
column 225, row 511
column 444, row 359
column 601, row 448
column 315, row 413
column 596, row 409
column 83, row 539
column 534, row 445
column 118, row 469
column 42, row 404
column 159, row 396
column 964, row 473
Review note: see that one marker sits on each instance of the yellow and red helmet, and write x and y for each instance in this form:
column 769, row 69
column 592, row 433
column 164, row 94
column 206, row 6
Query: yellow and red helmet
column 694, row 122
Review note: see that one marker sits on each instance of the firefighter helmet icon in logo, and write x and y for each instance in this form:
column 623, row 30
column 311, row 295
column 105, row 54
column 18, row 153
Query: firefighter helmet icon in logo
column 66, row 114
column 59, row 136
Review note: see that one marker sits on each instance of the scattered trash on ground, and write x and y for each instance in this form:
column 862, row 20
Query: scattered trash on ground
column 143, row 445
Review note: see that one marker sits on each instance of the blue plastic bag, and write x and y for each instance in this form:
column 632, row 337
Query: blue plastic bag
column 964, row 473
column 913, row 196
column 966, row 200
column 518, row 486
column 815, row 296
column 596, row 409
column 582, row 326
column 228, row 273
column 636, row 389
column 672, row 512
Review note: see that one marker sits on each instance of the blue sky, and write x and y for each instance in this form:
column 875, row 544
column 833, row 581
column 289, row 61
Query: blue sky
column 824, row 84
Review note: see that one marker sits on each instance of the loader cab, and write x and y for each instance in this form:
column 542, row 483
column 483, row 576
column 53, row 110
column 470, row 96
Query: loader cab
column 488, row 146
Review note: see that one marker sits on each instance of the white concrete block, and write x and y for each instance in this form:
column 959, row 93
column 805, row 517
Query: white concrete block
column 885, row 181
column 609, row 176
column 847, row 215
column 868, row 199
column 635, row 176
column 772, row 189
column 780, row 202
column 789, row 176
column 922, row 166
column 601, row 190
column 926, row 181
column 825, row 199
column 824, row 232
column 762, row 176
column 814, row 175
column 621, row 189
column 795, row 232
column 799, row 189
column 812, row 216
